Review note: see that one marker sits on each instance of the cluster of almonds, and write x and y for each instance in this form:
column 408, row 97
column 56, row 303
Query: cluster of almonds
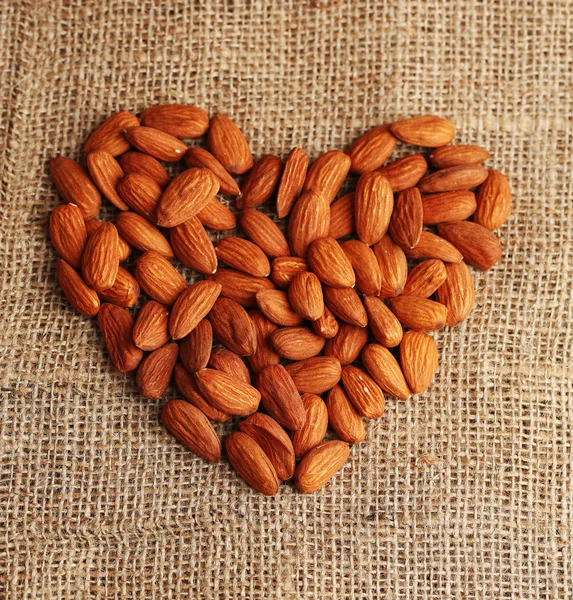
column 320, row 304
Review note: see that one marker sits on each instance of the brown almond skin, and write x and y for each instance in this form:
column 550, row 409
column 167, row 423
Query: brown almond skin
column 231, row 363
column 347, row 344
column 68, row 233
column 275, row 305
column 252, row 464
column 419, row 360
column 429, row 131
column 314, row 429
column 315, row 375
column 217, row 216
column 193, row 246
column 327, row 174
column 106, row 173
column 384, row 325
column 297, row 343
column 433, row 246
column 156, row 143
column 123, row 247
column 393, row 267
column 155, row 371
column 227, row 393
column 100, row 259
column 264, row 356
column 371, row 150
column 243, row 255
column 330, row 264
column 457, row 154
column 342, row 221
column 457, row 293
column 405, row 172
column 407, row 220
column 261, row 182
column 141, row 234
column 151, row 329
column 280, row 397
column 80, row 296
column 385, row 370
column 124, row 291
column 462, row 177
column 140, row 193
column 305, row 296
column 116, row 325
column 109, row 136
column 493, row 201
column 309, row 220
column 327, row 325
column 195, row 347
column 178, row 120
column 346, row 305
column 273, row 440
column 192, row 428
column 364, row 393
column 75, row 186
column 240, row 287
column 292, row 181
column 284, row 268
column 264, row 232
column 228, row 145
column 373, row 205
column 419, row 314
column 343, row 417
column 185, row 383
column 478, row 245
column 191, row 307
column 446, row 207
column 320, row 465
column 137, row 162
column 425, row 278
column 158, row 278
column 201, row 158
column 365, row 265
column 233, row 327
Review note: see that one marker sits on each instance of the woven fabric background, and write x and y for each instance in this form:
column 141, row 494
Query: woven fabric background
column 465, row 492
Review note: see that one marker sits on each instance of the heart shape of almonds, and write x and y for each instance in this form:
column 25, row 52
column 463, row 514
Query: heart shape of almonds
column 307, row 298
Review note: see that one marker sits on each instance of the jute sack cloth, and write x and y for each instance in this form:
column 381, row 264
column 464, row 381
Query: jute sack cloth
column 464, row 492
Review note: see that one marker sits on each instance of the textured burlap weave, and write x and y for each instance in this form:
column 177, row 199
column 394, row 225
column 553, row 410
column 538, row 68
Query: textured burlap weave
column 462, row 493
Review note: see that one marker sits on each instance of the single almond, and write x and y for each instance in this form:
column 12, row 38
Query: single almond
column 124, row 291
column 229, row 146
column 191, row 307
column 140, row 193
column 109, row 135
column 393, row 267
column 284, row 268
column 371, row 150
column 275, row 305
column 100, row 259
column 462, row 177
column 327, row 174
column 123, row 247
column 305, row 295
column 240, row 287
column 478, row 245
column 327, row 325
column 233, row 327
column 80, row 296
column 264, row 232
column 297, row 343
column 385, row 370
column 405, row 172
column 320, row 465
column 280, row 397
column 193, row 246
column 292, row 181
column 195, row 347
column 419, row 360
column 407, row 221
column 457, row 154
column 243, row 255
column 342, row 221
column 158, row 278
column 261, row 182
column 373, row 205
column 68, row 233
column 179, row 120
column 433, row 246
column 138, row 232
column 343, row 417
column 419, row 314
column 429, row 131
column 106, row 173
column 227, row 393
column 346, row 305
column 137, row 162
column 192, row 428
column 155, row 371
column 201, row 158
column 493, row 201
column 231, row 363
column 383, row 323
column 365, row 265
column 315, row 375
column 425, row 278
column 116, row 325
column 457, row 293
column 309, row 220
column 151, row 329
column 364, row 393
column 185, row 383
column 264, row 355
column 347, row 344
column 156, row 143
column 75, row 186
column 217, row 216
column 330, row 263
column 445, row 207
column 314, row 429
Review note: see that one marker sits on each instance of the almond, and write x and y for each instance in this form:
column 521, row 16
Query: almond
column 458, row 154
column 264, row 232
column 155, row 371
column 227, row 393
column 264, row 356
column 124, row 291
column 274, row 442
column 371, row 150
column 320, row 465
column 261, row 182
column 79, row 295
column 457, row 293
column 419, row 314
column 346, row 305
column 280, row 397
column 292, row 181
column 365, row 265
column 343, row 417
column 326, row 326
column 68, row 233
column 195, row 347
column 342, row 221
column 405, row 172
column 233, row 327
column 373, row 205
column 116, row 325
column 156, row 143
column 228, row 145
column 141, row 234
column 309, row 220
column 327, row 174
column 393, row 267
column 151, row 329
column 284, row 268
column 106, row 172
column 158, row 278
column 330, row 264
column 407, row 220
column 178, row 120
column 383, row 323
column 419, row 359
column 446, row 207
column 240, row 287
column 493, row 201
column 192, row 428
column 193, row 246
column 109, row 135
column 75, row 186
column 433, row 246
column 364, row 393
column 426, row 131
column 385, row 370
column 201, row 158
column 478, row 245
column 462, row 177
column 305, row 295
column 252, row 464
column 217, row 216
column 275, row 305
column 315, row 375
column 224, row 360
column 100, row 259
column 137, row 162
column 297, row 343
column 140, row 193
column 185, row 383
column 347, row 344
column 425, row 278
column 123, row 247
column 314, row 429
column 244, row 256
column 191, row 307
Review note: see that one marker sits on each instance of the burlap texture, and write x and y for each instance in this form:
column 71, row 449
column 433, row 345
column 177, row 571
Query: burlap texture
column 464, row 492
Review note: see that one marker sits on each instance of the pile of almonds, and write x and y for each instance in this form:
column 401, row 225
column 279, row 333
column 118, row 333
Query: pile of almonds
column 303, row 309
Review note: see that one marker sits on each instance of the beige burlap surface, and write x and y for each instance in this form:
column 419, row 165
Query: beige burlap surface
column 462, row 493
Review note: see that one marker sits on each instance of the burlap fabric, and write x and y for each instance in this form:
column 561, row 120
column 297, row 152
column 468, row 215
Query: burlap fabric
column 462, row 493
